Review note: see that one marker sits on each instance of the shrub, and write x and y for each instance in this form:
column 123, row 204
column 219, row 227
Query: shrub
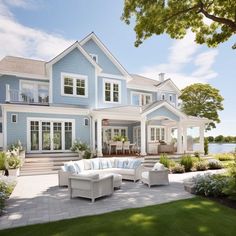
column 177, row 168
column 16, row 146
column 197, row 154
column 2, row 160
column 230, row 189
column 187, row 162
column 210, row 185
column 225, row 157
column 79, row 146
column 214, row 164
column 164, row 160
column 201, row 165
column 13, row 162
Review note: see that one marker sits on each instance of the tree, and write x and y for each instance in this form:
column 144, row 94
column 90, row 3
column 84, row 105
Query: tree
column 176, row 17
column 219, row 139
column 210, row 139
column 202, row 100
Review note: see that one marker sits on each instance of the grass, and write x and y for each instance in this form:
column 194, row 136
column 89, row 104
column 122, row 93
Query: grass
column 197, row 216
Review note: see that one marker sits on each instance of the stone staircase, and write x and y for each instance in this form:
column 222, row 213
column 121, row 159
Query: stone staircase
column 46, row 163
column 149, row 161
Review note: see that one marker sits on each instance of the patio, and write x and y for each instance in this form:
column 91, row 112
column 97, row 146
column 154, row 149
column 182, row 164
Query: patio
column 38, row 199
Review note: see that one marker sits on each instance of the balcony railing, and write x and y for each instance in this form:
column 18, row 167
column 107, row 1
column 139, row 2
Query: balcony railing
column 23, row 97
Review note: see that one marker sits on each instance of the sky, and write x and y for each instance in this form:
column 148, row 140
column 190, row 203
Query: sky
column 41, row 29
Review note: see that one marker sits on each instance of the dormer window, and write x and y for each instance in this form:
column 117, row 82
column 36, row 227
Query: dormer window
column 95, row 57
column 170, row 98
column 163, row 97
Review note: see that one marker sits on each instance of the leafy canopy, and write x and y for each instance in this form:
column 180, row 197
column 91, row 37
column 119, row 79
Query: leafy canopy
column 202, row 100
column 175, row 17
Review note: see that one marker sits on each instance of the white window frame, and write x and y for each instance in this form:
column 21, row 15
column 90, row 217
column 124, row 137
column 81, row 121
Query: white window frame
column 16, row 118
column 94, row 55
column 163, row 95
column 140, row 97
column 104, row 128
column 112, row 82
column 156, row 127
column 85, row 121
column 74, row 77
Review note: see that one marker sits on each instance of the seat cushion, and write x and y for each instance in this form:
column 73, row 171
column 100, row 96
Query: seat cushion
column 95, row 164
column 104, row 163
column 71, row 167
column 133, row 164
column 87, row 164
column 145, row 175
column 123, row 171
column 89, row 175
column 80, row 165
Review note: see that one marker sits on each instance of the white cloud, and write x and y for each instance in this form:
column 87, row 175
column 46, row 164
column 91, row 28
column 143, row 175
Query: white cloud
column 25, row 41
column 185, row 53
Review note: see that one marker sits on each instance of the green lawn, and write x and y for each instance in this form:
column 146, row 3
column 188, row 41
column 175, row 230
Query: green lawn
column 195, row 216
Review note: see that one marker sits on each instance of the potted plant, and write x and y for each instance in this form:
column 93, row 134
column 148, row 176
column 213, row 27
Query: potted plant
column 18, row 150
column 80, row 148
column 13, row 164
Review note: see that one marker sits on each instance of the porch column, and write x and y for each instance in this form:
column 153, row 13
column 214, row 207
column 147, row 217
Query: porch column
column 201, row 138
column 179, row 141
column 99, row 137
column 185, row 139
column 143, row 137
column 93, row 134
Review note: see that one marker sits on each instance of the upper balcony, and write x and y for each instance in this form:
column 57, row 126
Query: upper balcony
column 31, row 96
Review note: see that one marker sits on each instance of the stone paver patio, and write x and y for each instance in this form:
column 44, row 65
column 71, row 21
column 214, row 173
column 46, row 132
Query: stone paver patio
column 38, row 199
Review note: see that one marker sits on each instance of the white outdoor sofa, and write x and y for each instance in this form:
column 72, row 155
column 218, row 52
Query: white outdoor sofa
column 90, row 187
column 129, row 168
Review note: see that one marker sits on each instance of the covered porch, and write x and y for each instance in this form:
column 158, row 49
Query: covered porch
column 151, row 130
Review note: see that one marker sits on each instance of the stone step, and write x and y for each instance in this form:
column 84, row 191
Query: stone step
column 47, row 155
column 46, row 172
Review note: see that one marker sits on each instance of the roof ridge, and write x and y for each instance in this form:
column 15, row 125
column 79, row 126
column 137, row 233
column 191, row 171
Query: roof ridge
column 24, row 58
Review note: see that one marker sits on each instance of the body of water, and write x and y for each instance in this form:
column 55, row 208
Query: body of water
column 219, row 147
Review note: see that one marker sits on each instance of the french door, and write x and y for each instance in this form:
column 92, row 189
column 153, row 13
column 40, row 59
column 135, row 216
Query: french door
column 137, row 135
column 50, row 136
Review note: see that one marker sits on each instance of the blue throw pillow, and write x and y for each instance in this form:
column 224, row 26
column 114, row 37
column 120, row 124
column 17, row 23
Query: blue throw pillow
column 77, row 167
column 104, row 164
column 133, row 164
column 70, row 167
column 121, row 164
column 95, row 164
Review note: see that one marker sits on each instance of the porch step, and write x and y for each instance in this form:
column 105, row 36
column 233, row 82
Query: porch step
column 46, row 163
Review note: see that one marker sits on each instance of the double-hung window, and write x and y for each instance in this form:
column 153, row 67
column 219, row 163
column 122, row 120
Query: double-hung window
column 141, row 99
column 156, row 134
column 111, row 91
column 74, row 85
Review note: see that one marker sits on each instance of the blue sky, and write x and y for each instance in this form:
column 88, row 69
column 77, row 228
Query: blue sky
column 41, row 29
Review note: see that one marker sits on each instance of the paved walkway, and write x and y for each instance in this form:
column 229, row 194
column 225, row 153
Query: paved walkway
column 38, row 199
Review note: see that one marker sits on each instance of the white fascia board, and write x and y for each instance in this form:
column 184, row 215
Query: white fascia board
column 115, row 116
column 171, row 83
column 108, row 54
column 24, row 75
column 68, row 50
column 45, row 109
column 142, row 87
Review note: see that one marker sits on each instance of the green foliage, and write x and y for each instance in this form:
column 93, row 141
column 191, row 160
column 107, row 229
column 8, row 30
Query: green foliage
column 13, row 162
column 197, row 154
column 79, row 146
column 6, row 188
column 219, row 139
column 187, row 162
column 206, row 148
column 211, row 139
column 230, row 189
column 201, row 165
column 210, row 185
column 3, row 160
column 176, row 18
column 165, row 160
column 16, row 146
column 177, row 168
column 120, row 138
column 202, row 100
column 214, row 164
column 225, row 156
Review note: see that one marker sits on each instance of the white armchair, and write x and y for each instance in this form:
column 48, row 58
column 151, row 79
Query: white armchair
column 90, row 188
column 155, row 177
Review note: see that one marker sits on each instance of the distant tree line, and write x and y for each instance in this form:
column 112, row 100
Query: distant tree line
column 221, row 139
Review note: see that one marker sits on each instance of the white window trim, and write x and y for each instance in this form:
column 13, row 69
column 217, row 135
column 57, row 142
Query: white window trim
column 74, row 77
column 104, row 128
column 16, row 118
column 40, row 120
column 111, row 82
column 94, row 55
column 140, row 94
column 149, row 133
column 88, row 121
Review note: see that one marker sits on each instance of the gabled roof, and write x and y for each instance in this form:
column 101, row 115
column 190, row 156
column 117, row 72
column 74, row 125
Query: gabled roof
column 10, row 65
column 99, row 43
column 168, row 82
column 68, row 50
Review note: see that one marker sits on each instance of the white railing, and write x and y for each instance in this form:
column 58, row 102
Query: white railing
column 31, row 97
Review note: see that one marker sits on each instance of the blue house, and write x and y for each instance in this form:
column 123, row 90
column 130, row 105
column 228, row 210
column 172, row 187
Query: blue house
column 85, row 94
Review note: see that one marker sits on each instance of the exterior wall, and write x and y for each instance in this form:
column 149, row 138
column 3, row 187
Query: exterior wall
column 106, row 64
column 74, row 63
column 14, row 83
column 163, row 111
column 18, row 131
column 167, row 94
column 129, row 94
column 123, row 95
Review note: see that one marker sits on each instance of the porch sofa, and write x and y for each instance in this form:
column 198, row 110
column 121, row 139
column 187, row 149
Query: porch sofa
column 128, row 168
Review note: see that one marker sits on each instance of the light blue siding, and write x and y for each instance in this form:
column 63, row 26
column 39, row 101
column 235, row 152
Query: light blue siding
column 74, row 62
column 18, row 131
column 123, row 97
column 106, row 64
column 167, row 96
column 163, row 111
